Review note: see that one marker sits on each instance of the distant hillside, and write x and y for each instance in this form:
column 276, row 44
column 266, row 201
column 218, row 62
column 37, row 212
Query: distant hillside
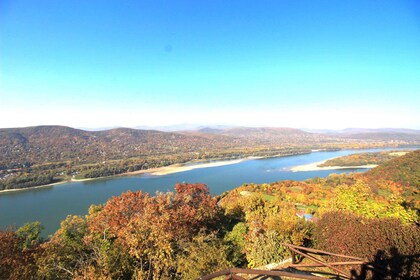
column 379, row 130
column 270, row 135
column 59, row 143
column 387, row 134
column 46, row 144
column 377, row 134
column 282, row 134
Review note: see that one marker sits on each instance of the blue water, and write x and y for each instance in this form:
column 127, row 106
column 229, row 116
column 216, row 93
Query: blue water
column 50, row 205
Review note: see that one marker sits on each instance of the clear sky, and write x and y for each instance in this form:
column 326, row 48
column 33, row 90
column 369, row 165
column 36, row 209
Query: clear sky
column 304, row 64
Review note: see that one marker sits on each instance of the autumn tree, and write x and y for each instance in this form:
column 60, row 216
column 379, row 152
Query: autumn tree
column 153, row 230
column 16, row 262
column 204, row 254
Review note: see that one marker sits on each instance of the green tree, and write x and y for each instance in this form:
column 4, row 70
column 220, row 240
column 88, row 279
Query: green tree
column 30, row 234
column 203, row 255
column 237, row 242
column 65, row 253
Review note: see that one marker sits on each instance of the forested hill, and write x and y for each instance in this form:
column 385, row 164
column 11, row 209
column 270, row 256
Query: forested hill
column 46, row 144
column 59, row 143
column 270, row 134
column 404, row 171
column 385, row 134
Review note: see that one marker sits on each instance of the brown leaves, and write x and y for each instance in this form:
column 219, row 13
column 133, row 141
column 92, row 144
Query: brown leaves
column 16, row 263
column 152, row 229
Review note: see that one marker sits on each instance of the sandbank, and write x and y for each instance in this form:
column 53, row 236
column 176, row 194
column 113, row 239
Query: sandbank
column 398, row 153
column 315, row 167
column 175, row 168
column 86, row 179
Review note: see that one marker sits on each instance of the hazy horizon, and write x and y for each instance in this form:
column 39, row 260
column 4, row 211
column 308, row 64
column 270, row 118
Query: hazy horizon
column 196, row 126
column 299, row 64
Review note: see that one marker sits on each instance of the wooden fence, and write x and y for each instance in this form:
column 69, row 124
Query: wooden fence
column 232, row 273
column 301, row 252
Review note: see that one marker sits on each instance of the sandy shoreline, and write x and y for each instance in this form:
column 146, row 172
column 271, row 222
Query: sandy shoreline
column 181, row 168
column 51, row 185
column 314, row 167
column 36, row 187
column 158, row 171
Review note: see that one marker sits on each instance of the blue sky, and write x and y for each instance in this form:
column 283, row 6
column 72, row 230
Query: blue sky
column 306, row 64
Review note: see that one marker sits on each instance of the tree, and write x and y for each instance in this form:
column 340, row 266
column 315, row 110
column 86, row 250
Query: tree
column 30, row 234
column 203, row 255
column 152, row 230
column 65, row 254
column 16, row 262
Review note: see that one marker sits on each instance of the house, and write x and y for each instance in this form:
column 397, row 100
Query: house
column 308, row 217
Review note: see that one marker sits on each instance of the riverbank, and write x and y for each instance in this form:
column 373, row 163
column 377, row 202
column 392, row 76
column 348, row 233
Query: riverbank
column 35, row 187
column 315, row 167
column 157, row 171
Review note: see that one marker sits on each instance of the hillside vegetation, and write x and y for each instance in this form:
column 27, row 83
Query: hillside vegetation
column 404, row 171
column 189, row 233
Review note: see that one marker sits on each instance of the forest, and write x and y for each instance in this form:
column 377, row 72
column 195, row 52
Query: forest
column 41, row 155
column 188, row 233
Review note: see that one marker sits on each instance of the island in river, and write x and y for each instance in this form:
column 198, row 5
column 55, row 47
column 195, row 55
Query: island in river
column 357, row 160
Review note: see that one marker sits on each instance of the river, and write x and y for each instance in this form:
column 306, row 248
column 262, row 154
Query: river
column 50, row 205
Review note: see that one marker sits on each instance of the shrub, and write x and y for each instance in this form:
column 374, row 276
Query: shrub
column 386, row 242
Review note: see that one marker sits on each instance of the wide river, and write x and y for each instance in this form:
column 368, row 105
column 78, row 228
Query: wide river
column 50, row 205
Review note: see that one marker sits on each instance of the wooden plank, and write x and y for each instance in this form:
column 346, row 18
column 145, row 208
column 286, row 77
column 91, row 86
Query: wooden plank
column 215, row 274
column 237, row 277
column 321, row 262
column 331, row 263
column 275, row 273
column 321, row 252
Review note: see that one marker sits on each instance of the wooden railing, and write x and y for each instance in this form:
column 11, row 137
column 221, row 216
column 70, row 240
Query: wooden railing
column 307, row 253
column 349, row 260
column 232, row 273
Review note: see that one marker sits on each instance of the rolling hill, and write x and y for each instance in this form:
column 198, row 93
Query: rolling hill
column 41, row 144
column 59, row 143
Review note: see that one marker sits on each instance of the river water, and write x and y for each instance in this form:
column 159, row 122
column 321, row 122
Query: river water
column 50, row 205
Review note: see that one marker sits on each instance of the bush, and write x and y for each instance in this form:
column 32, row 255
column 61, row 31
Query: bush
column 386, row 242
